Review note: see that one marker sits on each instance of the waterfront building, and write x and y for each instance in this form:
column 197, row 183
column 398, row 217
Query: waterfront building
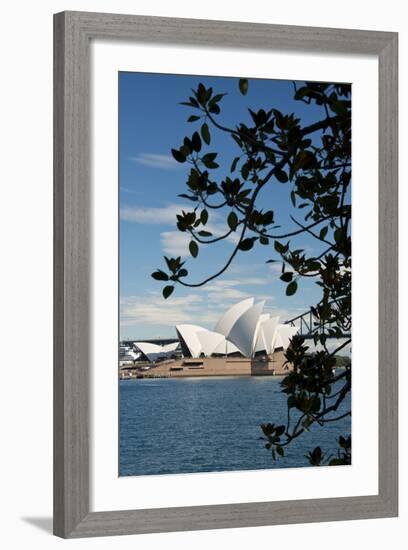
column 127, row 356
column 244, row 330
column 154, row 352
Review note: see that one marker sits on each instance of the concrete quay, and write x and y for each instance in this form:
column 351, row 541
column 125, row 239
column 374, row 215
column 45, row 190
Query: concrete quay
column 210, row 366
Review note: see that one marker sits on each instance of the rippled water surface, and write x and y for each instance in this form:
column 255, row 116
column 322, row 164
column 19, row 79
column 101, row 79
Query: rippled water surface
column 170, row 426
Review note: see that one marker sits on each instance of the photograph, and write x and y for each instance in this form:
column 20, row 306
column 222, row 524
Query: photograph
column 234, row 273
column 184, row 187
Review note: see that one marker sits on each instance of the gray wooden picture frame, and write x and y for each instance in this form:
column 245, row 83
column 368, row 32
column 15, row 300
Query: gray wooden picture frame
column 72, row 34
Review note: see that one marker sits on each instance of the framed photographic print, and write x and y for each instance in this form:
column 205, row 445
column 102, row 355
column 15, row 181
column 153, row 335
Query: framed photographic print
column 220, row 361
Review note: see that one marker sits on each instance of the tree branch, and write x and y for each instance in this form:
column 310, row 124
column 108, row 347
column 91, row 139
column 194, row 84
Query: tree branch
column 235, row 251
column 216, row 239
column 311, row 233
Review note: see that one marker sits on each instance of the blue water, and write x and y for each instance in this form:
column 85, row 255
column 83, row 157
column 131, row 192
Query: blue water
column 170, row 426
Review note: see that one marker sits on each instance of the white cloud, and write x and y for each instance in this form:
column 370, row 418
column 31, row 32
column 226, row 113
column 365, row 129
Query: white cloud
column 222, row 283
column 228, row 294
column 218, row 227
column 275, row 267
column 224, row 291
column 153, row 160
column 153, row 310
column 201, row 307
column 147, row 214
column 127, row 190
column 175, row 243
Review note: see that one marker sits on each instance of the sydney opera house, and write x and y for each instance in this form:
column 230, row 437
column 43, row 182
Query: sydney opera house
column 243, row 331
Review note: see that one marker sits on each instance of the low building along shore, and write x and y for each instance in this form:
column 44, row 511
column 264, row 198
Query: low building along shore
column 245, row 342
column 209, row 366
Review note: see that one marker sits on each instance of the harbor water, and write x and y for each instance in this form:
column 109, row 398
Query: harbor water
column 188, row 425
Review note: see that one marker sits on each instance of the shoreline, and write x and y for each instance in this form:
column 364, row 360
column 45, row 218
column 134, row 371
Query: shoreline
column 204, row 367
column 204, row 377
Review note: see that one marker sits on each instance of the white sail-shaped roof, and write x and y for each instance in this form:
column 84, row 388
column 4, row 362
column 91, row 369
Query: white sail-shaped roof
column 277, row 341
column 268, row 329
column 243, row 328
column 209, row 341
column 264, row 317
column 189, row 334
column 283, row 335
column 168, row 348
column 243, row 332
column 227, row 321
column 151, row 351
column 226, row 348
column 260, row 344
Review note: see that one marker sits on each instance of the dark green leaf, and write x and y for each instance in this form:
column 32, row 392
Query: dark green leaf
column 245, row 171
column 305, row 160
column 208, row 160
column 232, row 221
column 246, row 244
column 313, row 266
column 178, row 155
column 209, row 156
column 302, row 92
column 196, row 142
column 234, row 164
column 315, row 406
column 339, row 107
column 216, row 99
column 287, row 276
column 167, row 290
column 243, row 86
column 214, row 109
column 316, row 456
column 280, row 430
column 193, row 247
column 237, row 140
column 323, row 232
column 201, row 93
column 160, row 275
column 205, row 133
column 281, row 248
column 291, row 288
column 193, row 118
column 187, row 147
column 204, row 217
column 185, row 150
column 281, row 175
column 280, row 119
column 280, row 450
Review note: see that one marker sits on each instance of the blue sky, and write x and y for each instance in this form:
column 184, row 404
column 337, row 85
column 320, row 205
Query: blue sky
column 151, row 123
